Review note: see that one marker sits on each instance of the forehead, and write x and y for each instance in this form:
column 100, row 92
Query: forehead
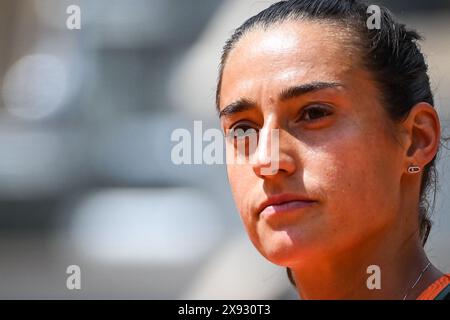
column 286, row 54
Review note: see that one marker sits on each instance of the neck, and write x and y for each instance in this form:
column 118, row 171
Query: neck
column 345, row 275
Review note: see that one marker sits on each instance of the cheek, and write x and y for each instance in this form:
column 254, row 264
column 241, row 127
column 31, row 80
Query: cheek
column 241, row 179
column 245, row 187
column 358, row 181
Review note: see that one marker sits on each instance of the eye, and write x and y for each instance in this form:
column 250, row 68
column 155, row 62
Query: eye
column 242, row 131
column 314, row 112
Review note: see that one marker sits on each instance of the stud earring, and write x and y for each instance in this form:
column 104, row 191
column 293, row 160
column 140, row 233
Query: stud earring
column 413, row 169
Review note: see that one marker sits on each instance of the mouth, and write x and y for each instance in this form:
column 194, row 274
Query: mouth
column 283, row 203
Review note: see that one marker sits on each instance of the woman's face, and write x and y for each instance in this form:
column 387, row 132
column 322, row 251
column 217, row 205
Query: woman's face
column 337, row 145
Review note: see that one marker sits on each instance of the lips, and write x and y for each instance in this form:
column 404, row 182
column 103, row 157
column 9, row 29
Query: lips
column 284, row 203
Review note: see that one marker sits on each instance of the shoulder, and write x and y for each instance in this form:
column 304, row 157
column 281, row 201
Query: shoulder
column 438, row 290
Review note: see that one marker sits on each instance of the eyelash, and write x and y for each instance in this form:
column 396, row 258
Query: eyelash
column 244, row 127
column 325, row 110
column 314, row 107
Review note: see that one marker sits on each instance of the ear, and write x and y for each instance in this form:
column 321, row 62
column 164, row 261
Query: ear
column 423, row 134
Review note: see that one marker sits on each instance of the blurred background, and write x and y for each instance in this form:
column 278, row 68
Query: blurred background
column 85, row 171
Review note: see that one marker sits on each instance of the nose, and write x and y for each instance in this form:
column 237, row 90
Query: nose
column 272, row 156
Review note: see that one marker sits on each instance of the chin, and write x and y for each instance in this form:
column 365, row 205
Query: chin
column 282, row 249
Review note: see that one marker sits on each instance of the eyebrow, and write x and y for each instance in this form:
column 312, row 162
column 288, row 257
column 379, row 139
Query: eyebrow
column 303, row 89
column 240, row 105
column 244, row 104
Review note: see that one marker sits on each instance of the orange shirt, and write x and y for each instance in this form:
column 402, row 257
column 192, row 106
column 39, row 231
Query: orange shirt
column 439, row 286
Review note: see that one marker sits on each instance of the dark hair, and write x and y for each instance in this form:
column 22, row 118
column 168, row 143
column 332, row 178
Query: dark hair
column 391, row 53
